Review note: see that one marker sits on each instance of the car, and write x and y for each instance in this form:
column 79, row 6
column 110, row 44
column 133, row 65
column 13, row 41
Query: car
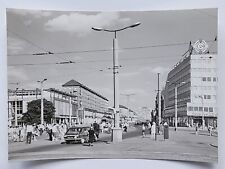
column 77, row 134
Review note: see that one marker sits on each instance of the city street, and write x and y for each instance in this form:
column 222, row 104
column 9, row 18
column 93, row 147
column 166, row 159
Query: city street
column 182, row 145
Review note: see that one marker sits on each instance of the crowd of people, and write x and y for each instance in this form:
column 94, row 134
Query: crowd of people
column 29, row 132
column 151, row 129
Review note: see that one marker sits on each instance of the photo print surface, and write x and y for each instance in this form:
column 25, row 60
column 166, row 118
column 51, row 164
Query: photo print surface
column 127, row 85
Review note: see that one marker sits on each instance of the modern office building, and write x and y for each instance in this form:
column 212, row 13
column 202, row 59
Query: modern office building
column 91, row 105
column 195, row 79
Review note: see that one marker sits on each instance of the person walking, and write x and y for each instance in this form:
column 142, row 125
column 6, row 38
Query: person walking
column 153, row 130
column 143, row 130
column 49, row 130
column 29, row 131
column 55, row 132
column 149, row 128
column 210, row 130
column 96, row 129
column 196, row 129
column 91, row 133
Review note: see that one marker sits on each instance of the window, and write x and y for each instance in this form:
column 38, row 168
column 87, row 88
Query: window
column 200, row 108
column 195, row 108
column 204, row 79
column 209, row 79
column 190, row 108
column 206, row 109
column 210, row 109
column 207, row 96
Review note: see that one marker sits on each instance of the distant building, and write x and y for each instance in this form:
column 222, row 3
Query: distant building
column 18, row 100
column 83, row 104
column 127, row 115
column 196, row 80
column 91, row 105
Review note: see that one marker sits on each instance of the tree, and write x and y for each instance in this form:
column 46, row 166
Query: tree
column 33, row 114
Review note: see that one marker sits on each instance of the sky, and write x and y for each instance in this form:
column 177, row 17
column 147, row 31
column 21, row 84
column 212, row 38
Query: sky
column 155, row 46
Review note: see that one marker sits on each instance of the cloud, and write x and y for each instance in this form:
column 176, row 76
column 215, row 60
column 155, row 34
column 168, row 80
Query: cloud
column 17, row 74
column 34, row 13
column 81, row 23
column 14, row 45
column 129, row 74
column 160, row 70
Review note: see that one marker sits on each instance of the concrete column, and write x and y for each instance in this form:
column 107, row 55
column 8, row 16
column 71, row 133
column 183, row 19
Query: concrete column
column 117, row 131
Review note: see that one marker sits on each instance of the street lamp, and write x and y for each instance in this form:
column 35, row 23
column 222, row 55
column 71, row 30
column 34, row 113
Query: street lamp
column 117, row 133
column 42, row 104
column 175, row 100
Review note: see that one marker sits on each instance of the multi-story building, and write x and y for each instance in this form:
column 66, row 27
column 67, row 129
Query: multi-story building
column 91, row 105
column 64, row 103
column 127, row 115
column 195, row 79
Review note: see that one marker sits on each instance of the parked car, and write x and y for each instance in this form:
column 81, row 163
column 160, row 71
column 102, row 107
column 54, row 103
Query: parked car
column 77, row 134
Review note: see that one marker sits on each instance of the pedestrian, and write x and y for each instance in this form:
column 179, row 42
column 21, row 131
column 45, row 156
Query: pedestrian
column 149, row 128
column 91, row 136
column 196, row 129
column 10, row 134
column 125, row 128
column 210, row 130
column 143, row 130
column 96, row 129
column 61, row 133
column 153, row 130
column 54, row 132
column 50, row 132
column 16, row 134
column 34, row 132
column 41, row 128
column 29, row 131
column 20, row 133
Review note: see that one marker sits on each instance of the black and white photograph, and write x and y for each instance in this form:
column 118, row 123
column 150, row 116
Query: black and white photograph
column 112, row 85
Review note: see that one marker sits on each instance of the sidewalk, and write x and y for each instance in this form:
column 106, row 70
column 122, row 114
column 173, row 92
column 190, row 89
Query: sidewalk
column 180, row 146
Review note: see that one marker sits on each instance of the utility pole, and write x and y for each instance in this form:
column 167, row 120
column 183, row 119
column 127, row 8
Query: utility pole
column 159, row 101
column 42, row 102
column 117, row 132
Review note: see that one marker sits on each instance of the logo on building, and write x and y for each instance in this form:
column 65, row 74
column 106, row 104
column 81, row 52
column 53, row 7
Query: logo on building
column 201, row 46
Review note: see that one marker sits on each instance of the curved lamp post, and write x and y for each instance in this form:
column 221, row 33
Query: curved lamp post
column 117, row 133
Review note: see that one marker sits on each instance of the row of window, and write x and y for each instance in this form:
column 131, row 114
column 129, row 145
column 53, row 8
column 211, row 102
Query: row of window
column 209, row 79
column 205, row 109
column 204, row 87
column 204, row 70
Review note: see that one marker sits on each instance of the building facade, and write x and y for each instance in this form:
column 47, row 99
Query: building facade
column 91, row 105
column 64, row 103
column 127, row 115
column 75, row 102
column 195, row 79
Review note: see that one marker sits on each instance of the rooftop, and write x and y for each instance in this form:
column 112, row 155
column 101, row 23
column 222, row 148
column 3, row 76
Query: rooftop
column 74, row 83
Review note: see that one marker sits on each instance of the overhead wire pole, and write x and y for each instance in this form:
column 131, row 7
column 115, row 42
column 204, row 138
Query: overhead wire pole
column 117, row 132
column 42, row 102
